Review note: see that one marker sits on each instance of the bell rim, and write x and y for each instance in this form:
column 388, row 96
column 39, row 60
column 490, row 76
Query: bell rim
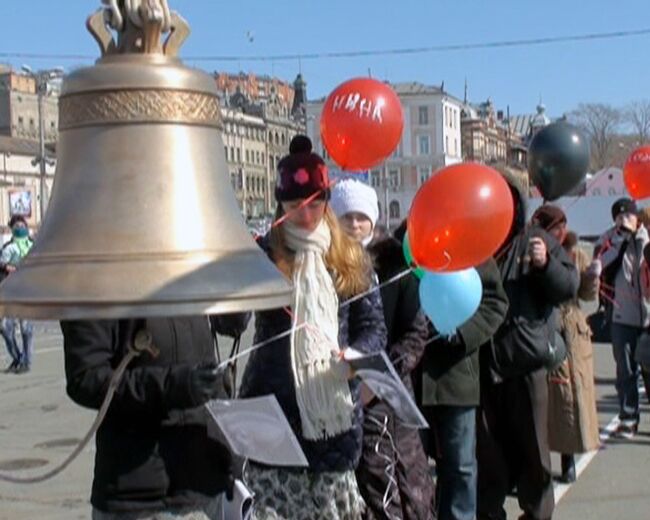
column 108, row 311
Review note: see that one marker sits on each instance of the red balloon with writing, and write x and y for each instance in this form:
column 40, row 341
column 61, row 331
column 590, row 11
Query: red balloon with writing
column 636, row 173
column 361, row 123
column 460, row 217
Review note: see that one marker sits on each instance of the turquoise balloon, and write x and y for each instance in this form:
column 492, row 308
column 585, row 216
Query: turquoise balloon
column 406, row 249
column 450, row 299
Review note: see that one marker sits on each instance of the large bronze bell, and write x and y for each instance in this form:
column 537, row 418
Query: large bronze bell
column 142, row 220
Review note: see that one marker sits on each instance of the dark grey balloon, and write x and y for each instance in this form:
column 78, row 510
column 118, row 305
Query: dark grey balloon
column 558, row 159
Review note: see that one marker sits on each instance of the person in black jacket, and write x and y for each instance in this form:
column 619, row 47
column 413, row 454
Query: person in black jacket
column 153, row 452
column 512, row 431
column 450, row 396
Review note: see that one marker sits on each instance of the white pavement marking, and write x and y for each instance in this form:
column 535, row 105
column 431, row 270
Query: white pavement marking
column 46, row 350
column 584, row 460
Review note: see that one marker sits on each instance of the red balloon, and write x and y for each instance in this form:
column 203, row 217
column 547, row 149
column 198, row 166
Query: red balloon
column 460, row 217
column 636, row 173
column 361, row 123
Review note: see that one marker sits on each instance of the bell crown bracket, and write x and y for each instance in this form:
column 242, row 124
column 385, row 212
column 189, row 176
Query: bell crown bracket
column 140, row 25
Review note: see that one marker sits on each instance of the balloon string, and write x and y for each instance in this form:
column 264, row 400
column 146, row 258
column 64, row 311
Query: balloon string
column 392, row 488
column 609, row 298
column 623, row 292
column 304, row 203
column 391, row 280
column 287, row 332
column 414, row 265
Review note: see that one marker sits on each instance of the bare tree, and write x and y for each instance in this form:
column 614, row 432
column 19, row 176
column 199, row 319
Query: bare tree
column 600, row 122
column 638, row 115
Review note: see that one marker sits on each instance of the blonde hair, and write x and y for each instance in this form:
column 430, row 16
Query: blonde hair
column 348, row 262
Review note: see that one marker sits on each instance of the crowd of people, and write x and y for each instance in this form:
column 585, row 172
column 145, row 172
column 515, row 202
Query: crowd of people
column 514, row 383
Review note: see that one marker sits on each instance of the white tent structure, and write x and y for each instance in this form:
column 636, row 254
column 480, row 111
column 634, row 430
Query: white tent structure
column 588, row 217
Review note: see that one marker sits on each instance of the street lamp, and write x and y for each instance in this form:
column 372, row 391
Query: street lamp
column 42, row 79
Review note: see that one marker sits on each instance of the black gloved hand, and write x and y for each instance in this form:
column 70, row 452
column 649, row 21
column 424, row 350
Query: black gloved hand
column 206, row 382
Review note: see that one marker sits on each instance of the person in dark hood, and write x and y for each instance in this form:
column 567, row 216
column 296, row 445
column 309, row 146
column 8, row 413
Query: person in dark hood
column 512, row 433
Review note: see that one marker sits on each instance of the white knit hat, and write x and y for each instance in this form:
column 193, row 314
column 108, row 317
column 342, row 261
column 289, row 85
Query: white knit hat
column 350, row 195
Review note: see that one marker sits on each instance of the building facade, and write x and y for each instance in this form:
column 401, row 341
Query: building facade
column 431, row 139
column 485, row 133
column 261, row 116
column 19, row 115
column 20, row 180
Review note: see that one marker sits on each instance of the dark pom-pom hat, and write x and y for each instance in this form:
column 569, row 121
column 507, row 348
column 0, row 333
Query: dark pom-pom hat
column 302, row 173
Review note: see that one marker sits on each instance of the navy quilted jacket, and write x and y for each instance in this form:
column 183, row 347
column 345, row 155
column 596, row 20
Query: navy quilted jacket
column 268, row 371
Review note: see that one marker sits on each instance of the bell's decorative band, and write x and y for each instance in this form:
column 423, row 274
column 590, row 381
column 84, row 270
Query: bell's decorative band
column 139, row 106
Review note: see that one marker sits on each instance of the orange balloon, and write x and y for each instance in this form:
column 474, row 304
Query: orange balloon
column 361, row 123
column 636, row 173
column 460, row 217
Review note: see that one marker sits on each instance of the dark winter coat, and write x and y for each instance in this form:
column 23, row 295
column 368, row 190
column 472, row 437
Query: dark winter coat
column 526, row 341
column 450, row 368
column 268, row 371
column 153, row 451
column 407, row 337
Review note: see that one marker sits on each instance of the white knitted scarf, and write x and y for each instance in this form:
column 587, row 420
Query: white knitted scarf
column 322, row 389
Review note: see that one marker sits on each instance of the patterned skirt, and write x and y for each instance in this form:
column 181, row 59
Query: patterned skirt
column 298, row 494
column 213, row 510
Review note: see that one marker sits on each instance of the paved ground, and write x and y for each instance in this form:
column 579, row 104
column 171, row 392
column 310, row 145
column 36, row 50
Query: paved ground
column 39, row 426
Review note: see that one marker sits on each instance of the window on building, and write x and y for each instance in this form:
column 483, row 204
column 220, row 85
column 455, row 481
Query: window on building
column 270, row 137
column 393, row 210
column 225, row 151
column 284, row 139
column 257, row 158
column 394, row 180
column 20, row 120
column 271, row 162
column 247, row 156
column 375, row 178
column 423, row 115
column 233, row 180
column 424, row 147
column 456, row 150
column 31, row 121
column 611, row 191
column 277, row 138
column 424, row 172
column 596, row 192
column 232, row 153
column 238, row 154
column 446, row 144
column 240, row 180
